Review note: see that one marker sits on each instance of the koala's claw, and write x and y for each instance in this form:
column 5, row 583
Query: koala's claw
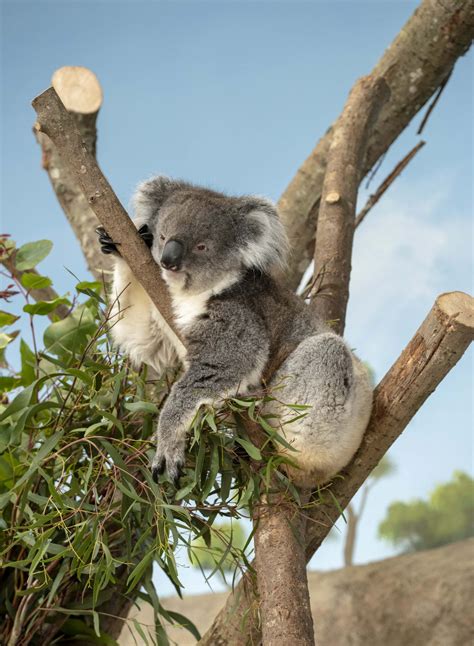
column 107, row 245
column 146, row 235
column 174, row 466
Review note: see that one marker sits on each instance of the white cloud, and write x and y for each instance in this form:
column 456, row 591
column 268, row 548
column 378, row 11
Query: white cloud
column 411, row 248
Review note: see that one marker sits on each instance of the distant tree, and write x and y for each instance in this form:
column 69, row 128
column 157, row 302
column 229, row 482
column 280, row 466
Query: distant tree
column 384, row 468
column 447, row 516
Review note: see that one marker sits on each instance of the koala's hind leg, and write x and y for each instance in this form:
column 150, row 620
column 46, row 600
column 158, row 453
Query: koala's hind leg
column 324, row 374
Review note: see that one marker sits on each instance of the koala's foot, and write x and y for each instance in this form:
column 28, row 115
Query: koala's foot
column 107, row 245
column 169, row 459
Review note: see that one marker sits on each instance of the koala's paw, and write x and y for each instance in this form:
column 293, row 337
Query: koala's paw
column 146, row 235
column 171, row 460
column 107, row 245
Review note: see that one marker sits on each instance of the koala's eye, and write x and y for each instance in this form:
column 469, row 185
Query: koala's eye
column 201, row 247
column 162, row 237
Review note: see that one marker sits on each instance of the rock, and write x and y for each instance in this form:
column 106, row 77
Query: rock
column 419, row 599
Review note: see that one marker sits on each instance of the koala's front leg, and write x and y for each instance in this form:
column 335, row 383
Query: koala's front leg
column 173, row 424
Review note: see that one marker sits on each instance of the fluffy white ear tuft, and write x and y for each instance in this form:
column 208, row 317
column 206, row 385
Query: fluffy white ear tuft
column 266, row 246
column 150, row 195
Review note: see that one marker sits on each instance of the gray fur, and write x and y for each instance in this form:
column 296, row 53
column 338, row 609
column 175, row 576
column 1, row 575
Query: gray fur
column 234, row 316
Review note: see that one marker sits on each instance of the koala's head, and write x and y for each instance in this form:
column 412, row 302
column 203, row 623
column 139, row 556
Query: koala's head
column 203, row 239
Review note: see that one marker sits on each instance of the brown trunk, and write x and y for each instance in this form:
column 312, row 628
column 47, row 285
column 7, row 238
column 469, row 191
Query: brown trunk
column 281, row 573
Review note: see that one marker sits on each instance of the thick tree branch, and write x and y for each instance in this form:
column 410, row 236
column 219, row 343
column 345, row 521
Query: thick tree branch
column 333, row 249
column 81, row 94
column 436, row 347
column 54, row 120
column 415, row 65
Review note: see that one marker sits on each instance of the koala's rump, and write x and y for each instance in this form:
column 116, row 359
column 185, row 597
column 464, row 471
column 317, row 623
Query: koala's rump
column 323, row 374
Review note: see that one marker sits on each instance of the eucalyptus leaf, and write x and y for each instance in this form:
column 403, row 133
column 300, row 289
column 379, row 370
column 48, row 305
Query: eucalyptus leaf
column 31, row 253
column 32, row 280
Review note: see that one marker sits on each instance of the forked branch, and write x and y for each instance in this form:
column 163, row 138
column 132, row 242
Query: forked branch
column 436, row 347
column 415, row 65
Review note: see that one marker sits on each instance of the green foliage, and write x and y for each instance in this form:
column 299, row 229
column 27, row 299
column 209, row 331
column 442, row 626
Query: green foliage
column 229, row 541
column 447, row 516
column 31, row 253
column 82, row 521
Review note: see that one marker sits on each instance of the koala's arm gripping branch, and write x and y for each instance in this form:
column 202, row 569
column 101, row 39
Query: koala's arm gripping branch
column 54, row 120
column 437, row 346
column 333, row 249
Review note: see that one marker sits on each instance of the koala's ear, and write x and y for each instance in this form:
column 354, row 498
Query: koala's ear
column 265, row 244
column 150, row 195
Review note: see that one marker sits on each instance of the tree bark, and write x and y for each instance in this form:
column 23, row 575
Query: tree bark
column 333, row 249
column 417, row 62
column 351, row 533
column 81, row 94
column 285, row 610
column 436, row 347
column 54, row 121
column 279, row 533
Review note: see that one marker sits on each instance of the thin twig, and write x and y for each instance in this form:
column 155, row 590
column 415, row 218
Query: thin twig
column 375, row 197
column 433, row 103
column 375, row 169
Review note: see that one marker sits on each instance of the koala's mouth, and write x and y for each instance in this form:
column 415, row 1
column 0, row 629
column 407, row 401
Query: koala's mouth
column 175, row 277
column 172, row 274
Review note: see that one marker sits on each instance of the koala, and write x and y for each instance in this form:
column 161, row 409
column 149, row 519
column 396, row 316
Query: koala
column 218, row 255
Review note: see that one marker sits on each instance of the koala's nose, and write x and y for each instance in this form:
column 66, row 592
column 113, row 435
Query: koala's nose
column 172, row 255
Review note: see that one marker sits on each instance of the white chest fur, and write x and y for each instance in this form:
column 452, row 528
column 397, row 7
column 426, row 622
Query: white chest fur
column 188, row 307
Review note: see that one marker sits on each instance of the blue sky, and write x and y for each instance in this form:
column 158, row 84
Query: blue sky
column 234, row 95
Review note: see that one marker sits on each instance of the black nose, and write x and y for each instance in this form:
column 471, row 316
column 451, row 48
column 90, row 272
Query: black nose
column 172, row 255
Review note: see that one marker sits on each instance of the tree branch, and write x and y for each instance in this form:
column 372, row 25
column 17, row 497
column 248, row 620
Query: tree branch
column 436, row 347
column 415, row 65
column 279, row 535
column 81, row 94
column 333, row 249
column 54, row 121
